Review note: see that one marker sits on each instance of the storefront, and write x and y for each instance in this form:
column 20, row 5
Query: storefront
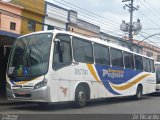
column 6, row 41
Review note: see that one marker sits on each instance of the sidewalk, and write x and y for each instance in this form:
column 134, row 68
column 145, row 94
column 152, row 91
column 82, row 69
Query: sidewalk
column 3, row 99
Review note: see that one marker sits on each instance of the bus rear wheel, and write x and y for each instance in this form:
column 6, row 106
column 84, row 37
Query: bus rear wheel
column 138, row 94
column 80, row 97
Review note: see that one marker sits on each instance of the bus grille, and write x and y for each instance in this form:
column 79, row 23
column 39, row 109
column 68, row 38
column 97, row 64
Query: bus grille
column 22, row 95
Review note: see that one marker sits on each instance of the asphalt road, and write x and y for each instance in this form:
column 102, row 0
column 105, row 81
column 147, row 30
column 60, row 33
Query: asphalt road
column 110, row 106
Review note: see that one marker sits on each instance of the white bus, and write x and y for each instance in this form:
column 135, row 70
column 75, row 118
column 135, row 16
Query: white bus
column 157, row 67
column 58, row 66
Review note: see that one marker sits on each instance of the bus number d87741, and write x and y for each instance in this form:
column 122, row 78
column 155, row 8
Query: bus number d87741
column 81, row 72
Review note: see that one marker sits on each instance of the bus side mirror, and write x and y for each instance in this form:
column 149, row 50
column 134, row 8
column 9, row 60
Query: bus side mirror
column 59, row 46
column 59, row 49
column 57, row 40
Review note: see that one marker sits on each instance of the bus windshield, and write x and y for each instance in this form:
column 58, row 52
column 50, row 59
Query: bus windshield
column 157, row 66
column 30, row 56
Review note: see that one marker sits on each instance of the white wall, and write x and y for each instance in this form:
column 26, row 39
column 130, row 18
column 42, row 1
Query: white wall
column 55, row 16
column 54, row 22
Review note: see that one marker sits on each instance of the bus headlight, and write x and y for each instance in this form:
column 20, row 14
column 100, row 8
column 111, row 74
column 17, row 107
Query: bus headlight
column 8, row 85
column 41, row 84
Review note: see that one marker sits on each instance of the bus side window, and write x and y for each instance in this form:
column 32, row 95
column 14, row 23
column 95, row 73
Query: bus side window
column 82, row 50
column 152, row 66
column 101, row 54
column 62, row 55
column 116, row 57
column 138, row 62
column 128, row 60
column 146, row 65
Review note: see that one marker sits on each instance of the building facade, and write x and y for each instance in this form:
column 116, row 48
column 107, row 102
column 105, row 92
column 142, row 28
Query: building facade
column 150, row 50
column 121, row 41
column 79, row 26
column 10, row 28
column 32, row 15
column 10, row 24
column 55, row 17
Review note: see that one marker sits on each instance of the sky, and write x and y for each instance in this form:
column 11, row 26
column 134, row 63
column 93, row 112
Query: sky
column 108, row 14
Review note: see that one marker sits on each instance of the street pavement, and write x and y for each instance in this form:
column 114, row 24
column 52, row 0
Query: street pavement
column 147, row 105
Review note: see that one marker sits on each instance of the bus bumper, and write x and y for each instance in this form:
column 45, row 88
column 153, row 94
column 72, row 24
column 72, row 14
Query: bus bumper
column 158, row 88
column 37, row 95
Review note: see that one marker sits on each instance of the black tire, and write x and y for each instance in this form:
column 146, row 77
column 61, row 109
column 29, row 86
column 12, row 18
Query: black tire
column 80, row 97
column 138, row 94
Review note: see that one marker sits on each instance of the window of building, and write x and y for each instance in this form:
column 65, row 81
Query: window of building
column 70, row 29
column 149, row 54
column 146, row 65
column 31, row 25
column 101, row 54
column 62, row 51
column 12, row 26
column 50, row 27
column 138, row 62
column 128, row 60
column 82, row 50
column 158, row 58
column 116, row 57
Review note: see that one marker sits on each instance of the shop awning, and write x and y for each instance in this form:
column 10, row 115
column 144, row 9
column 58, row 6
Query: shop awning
column 9, row 34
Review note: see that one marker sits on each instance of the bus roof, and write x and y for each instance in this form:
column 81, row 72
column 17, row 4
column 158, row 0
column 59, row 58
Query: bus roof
column 96, row 40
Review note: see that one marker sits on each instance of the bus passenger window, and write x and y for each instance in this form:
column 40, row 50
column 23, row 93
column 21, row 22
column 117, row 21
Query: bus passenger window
column 116, row 57
column 146, row 65
column 152, row 66
column 138, row 62
column 82, row 50
column 62, row 51
column 128, row 60
column 101, row 54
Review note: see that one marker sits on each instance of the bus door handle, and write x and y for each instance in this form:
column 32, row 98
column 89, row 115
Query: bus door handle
column 75, row 63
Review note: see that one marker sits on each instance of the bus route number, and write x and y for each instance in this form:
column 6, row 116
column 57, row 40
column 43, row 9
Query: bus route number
column 81, row 72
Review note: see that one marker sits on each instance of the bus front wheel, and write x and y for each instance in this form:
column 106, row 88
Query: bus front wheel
column 80, row 97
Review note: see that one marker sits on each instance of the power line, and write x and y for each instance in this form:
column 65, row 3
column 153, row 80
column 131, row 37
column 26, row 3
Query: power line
column 148, row 7
column 22, row 17
column 103, row 27
column 153, row 37
column 91, row 13
column 87, row 12
column 151, row 28
column 30, row 6
column 153, row 9
column 146, row 15
column 148, row 18
column 131, row 9
column 147, row 38
column 103, row 24
column 97, row 23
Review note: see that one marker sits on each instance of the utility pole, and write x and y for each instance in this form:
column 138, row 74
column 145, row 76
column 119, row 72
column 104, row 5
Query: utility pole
column 129, row 26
